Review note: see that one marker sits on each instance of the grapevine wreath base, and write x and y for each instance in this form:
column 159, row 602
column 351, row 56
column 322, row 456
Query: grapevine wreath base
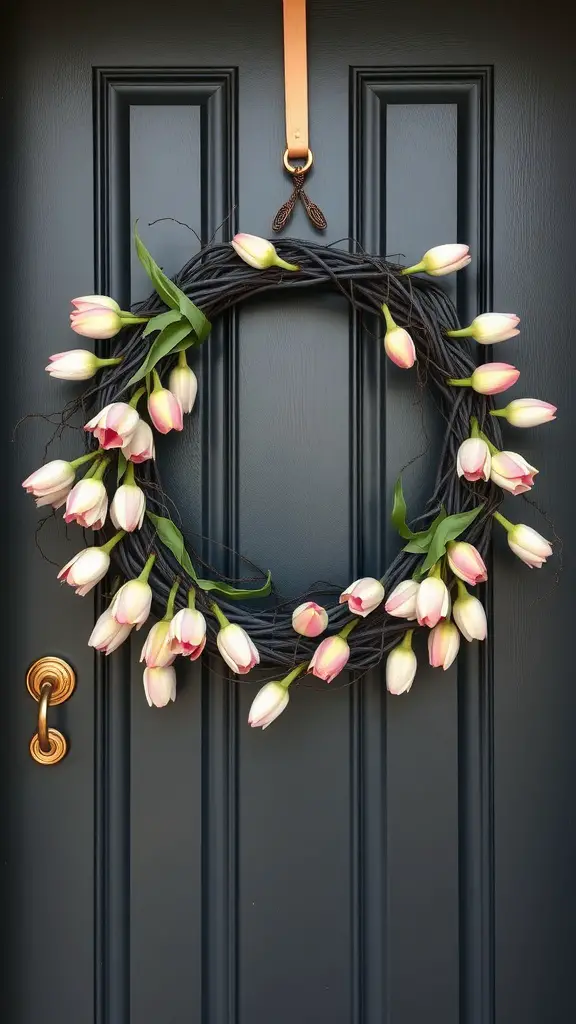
column 145, row 363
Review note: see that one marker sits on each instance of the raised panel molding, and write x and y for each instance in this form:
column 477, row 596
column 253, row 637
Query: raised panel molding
column 462, row 97
column 214, row 92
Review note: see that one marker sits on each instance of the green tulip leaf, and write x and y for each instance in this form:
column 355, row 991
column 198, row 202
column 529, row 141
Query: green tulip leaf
column 237, row 593
column 170, row 293
column 158, row 323
column 171, row 536
column 449, row 529
column 421, row 541
column 122, row 467
column 162, row 346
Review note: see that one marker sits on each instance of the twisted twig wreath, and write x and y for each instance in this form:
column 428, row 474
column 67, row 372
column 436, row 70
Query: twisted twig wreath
column 148, row 548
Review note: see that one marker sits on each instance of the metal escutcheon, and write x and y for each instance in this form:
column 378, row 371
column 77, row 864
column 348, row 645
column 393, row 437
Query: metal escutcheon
column 50, row 680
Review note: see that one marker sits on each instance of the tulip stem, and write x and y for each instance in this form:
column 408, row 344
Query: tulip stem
column 474, row 427
column 462, row 592
column 294, row 674
column 498, row 412
column 406, row 643
column 459, row 382
column 503, row 521
column 107, row 547
column 347, row 629
column 182, row 360
column 147, row 568
column 414, row 269
column 222, row 620
column 86, row 458
column 156, row 380
column 463, row 332
column 100, row 469
column 192, row 598
column 136, row 397
column 168, row 614
column 109, row 362
column 390, row 324
column 128, row 318
column 492, row 447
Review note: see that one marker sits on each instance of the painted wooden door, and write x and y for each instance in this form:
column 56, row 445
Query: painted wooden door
column 367, row 859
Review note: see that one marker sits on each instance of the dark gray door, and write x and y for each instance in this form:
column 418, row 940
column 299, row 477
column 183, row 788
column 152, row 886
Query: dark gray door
column 367, row 859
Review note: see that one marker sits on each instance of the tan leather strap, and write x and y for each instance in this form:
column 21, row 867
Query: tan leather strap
column 296, row 78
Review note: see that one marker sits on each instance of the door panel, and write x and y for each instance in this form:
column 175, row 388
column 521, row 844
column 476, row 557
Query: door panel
column 366, row 859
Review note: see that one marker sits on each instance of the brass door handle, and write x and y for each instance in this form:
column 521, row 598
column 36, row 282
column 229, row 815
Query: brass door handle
column 50, row 681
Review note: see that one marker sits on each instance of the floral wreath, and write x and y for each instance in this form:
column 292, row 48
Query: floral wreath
column 426, row 584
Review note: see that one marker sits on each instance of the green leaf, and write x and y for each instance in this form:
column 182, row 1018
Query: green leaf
column 237, row 593
column 399, row 512
column 171, row 536
column 158, row 323
column 421, row 541
column 162, row 346
column 448, row 530
column 122, row 467
column 170, row 293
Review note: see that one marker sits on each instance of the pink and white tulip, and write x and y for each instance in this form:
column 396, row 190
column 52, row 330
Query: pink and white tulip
column 268, row 703
column 50, row 484
column 443, row 645
column 493, row 378
column 96, row 322
column 401, row 665
column 432, row 601
column 237, row 648
column 527, row 412
column 309, row 619
column 489, row 328
column 77, row 364
column 466, row 562
column 400, row 348
column 85, row 570
column 258, row 252
column 469, row 615
column 329, row 658
column 512, row 473
column 157, row 652
column 108, row 634
column 442, row 259
column 165, row 410
column 140, row 447
column 114, row 426
column 160, row 685
column 363, row 596
column 183, row 383
column 128, row 508
column 85, row 302
column 529, row 545
column 402, row 601
column 87, row 504
column 131, row 604
column 474, row 460
column 187, row 633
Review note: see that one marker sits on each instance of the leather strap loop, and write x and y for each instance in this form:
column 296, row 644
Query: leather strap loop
column 296, row 78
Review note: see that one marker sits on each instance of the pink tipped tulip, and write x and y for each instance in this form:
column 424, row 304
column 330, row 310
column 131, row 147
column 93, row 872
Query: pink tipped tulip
column 473, row 461
column 529, row 545
column 442, row 259
column 268, row 703
column 492, row 378
column 156, row 651
column 165, row 410
column 114, row 426
column 489, row 328
column 187, row 633
column 85, row 570
column 432, row 601
column 96, row 322
column 309, row 619
column 466, row 563
column 160, row 685
column 50, row 484
column 128, row 508
column 84, row 302
column 87, row 504
column 108, row 634
column 527, row 412
column 140, row 447
column 399, row 348
column 512, row 473
column 329, row 658
column 237, row 649
column 183, row 384
column 402, row 601
column 363, row 596
column 77, row 364
column 469, row 615
column 131, row 604
column 258, row 252
column 443, row 645
column 401, row 665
